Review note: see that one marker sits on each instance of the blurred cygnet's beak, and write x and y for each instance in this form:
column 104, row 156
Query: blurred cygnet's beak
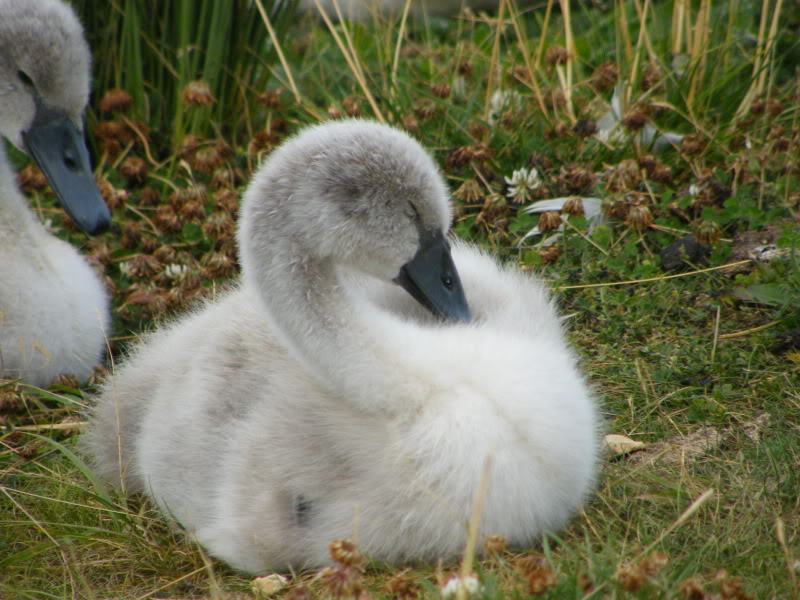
column 431, row 278
column 59, row 149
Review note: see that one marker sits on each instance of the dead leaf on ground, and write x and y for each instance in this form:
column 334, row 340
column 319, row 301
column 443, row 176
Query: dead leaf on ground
column 687, row 449
column 752, row 429
column 619, row 445
column 680, row 449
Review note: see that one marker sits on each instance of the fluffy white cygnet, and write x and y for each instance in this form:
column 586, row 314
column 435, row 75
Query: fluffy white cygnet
column 319, row 400
column 53, row 309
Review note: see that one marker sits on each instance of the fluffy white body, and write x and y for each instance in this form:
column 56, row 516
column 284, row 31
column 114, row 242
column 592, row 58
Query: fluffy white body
column 318, row 401
column 53, row 309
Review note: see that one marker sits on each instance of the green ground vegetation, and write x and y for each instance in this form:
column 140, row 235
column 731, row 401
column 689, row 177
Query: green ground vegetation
column 679, row 118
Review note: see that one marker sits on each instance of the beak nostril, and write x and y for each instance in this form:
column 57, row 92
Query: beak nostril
column 447, row 281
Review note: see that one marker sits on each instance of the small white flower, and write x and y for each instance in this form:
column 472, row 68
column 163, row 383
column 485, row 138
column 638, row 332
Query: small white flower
column 502, row 101
column 125, row 268
column 469, row 583
column 175, row 271
column 521, row 183
column 694, row 189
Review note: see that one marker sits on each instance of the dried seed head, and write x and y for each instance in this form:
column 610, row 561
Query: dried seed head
column 730, row 587
column 351, row 106
column 464, row 68
column 440, row 90
column 263, row 141
column 167, row 219
column 653, row 563
column 197, row 93
column 131, row 234
column 149, row 243
column 114, row 198
column 112, row 130
column 410, row 123
column 757, row 107
column 151, row 299
column 223, row 177
column 403, row 586
column 134, row 169
column 205, row 160
column 605, row 76
column 541, row 581
column 555, row 99
column 624, row 177
column 193, row 210
column 166, row 254
column 639, row 217
column 647, row 162
column 693, row 144
column 466, row 154
column 299, row 592
column 691, row 589
column 425, row 108
column 708, row 232
column 651, row 75
column 219, row 225
column 556, row 55
column 333, row 112
column 346, row 553
column 577, row 178
column 573, row 206
column 218, row 265
column 549, row 221
column 116, row 100
column 31, row 178
column 469, row 192
column 585, row 127
column 149, row 197
column 143, row 266
column 559, row 131
column 775, row 108
column 269, row 98
column 227, row 200
column 100, row 251
column 631, row 577
column 494, row 544
column 341, row 582
column 635, row 119
column 662, row 173
column 585, row 583
column 189, row 144
column 540, row 162
column 519, row 73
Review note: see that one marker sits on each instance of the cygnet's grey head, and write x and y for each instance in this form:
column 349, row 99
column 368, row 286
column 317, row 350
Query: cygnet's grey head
column 363, row 195
column 44, row 88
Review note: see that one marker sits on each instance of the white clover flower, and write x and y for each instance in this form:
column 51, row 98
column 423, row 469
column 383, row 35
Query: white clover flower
column 175, row 271
column 469, row 583
column 502, row 101
column 694, row 189
column 522, row 182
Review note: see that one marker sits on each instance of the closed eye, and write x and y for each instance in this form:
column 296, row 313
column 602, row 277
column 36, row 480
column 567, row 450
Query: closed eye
column 25, row 78
column 414, row 214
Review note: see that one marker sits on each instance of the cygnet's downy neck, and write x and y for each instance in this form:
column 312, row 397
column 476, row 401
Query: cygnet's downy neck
column 15, row 216
column 327, row 329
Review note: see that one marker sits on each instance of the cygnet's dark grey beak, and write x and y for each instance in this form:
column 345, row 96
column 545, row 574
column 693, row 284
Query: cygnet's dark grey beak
column 59, row 149
column 432, row 279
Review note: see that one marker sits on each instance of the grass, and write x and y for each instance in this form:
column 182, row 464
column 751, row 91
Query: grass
column 705, row 348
